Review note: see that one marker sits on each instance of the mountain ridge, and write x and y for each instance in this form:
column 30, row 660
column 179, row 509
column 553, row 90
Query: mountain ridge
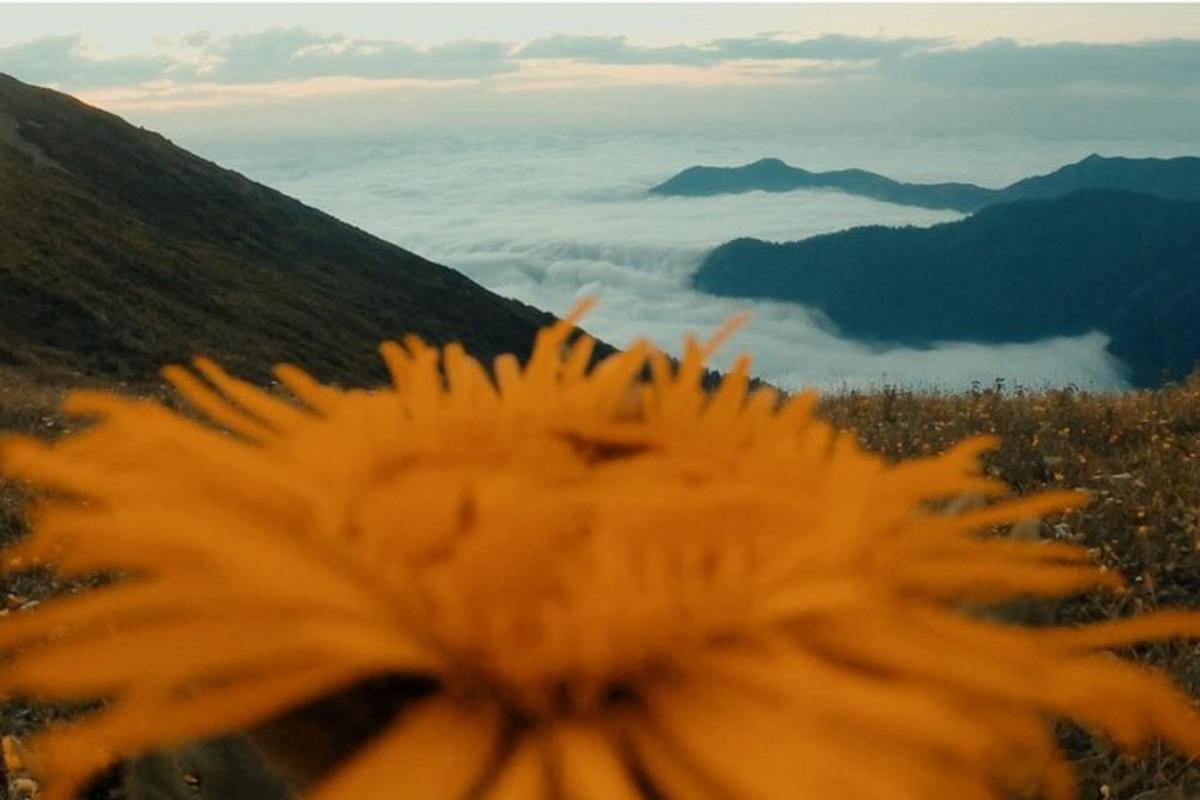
column 1171, row 178
column 1123, row 263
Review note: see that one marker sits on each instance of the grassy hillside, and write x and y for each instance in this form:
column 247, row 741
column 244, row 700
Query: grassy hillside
column 1137, row 454
column 122, row 252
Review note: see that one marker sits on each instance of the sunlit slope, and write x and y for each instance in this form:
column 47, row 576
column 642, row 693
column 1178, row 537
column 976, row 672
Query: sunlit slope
column 120, row 252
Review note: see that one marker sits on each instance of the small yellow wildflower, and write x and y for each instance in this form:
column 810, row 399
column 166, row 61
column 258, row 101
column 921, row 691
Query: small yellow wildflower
column 620, row 588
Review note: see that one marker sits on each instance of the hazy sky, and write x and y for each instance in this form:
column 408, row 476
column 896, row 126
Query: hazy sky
column 137, row 28
column 1124, row 71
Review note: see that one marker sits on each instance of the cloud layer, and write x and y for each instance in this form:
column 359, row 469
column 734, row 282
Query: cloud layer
column 549, row 218
column 1004, row 63
column 766, row 47
column 289, row 54
column 66, row 61
column 299, row 54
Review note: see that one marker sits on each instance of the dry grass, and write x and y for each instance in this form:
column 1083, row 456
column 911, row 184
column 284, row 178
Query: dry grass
column 1137, row 453
column 27, row 407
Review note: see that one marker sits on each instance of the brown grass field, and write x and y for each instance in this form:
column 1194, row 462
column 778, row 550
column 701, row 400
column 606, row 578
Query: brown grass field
column 1137, row 454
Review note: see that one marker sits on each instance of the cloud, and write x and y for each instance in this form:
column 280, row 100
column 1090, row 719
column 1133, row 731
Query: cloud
column 567, row 216
column 271, row 55
column 290, row 54
column 613, row 50
column 64, row 60
column 196, row 39
column 917, row 71
column 832, row 47
column 996, row 64
column 770, row 46
column 1004, row 63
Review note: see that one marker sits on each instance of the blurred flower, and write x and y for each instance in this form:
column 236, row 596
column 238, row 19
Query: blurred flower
column 620, row 586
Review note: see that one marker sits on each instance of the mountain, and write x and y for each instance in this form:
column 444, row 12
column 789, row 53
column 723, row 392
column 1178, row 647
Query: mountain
column 120, row 252
column 773, row 175
column 1124, row 263
column 1169, row 178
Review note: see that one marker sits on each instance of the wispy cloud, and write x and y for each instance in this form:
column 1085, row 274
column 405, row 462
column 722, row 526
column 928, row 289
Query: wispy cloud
column 295, row 54
column 289, row 54
column 203, row 69
column 1005, row 63
column 618, row 50
column 284, row 55
column 67, row 61
column 831, row 47
column 163, row 96
column 610, row 50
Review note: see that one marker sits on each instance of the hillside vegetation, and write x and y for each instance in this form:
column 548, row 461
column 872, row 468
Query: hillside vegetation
column 122, row 252
column 1122, row 263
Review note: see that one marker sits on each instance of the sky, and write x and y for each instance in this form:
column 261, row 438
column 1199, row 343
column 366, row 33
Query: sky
column 1079, row 70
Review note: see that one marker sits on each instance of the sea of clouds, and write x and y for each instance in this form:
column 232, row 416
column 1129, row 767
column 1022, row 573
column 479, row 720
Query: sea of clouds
column 551, row 218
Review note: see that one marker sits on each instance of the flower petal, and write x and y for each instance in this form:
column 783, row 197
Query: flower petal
column 524, row 774
column 437, row 750
column 589, row 764
column 66, row 756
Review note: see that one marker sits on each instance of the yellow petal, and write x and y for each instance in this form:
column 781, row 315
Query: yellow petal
column 671, row 771
column 204, row 649
column 215, row 407
column 309, row 391
column 436, row 750
column 982, row 580
column 752, row 747
column 590, row 765
column 523, row 776
column 67, row 755
column 273, row 410
column 1158, row 626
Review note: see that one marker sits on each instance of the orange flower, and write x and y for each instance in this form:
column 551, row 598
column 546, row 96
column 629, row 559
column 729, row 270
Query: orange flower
column 620, row 589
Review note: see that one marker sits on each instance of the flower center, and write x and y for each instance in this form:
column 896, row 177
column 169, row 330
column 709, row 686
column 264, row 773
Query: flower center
column 560, row 589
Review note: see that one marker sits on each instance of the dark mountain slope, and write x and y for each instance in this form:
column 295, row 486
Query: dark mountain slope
column 773, row 175
column 1169, row 178
column 1119, row 262
column 120, row 252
